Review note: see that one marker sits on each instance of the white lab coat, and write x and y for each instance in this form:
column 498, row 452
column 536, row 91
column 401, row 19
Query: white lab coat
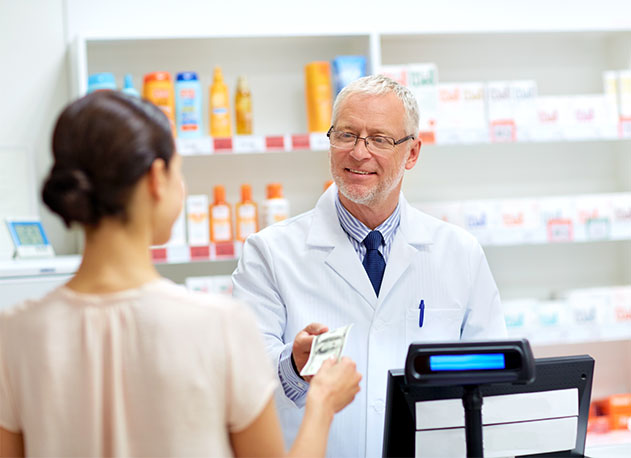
column 305, row 270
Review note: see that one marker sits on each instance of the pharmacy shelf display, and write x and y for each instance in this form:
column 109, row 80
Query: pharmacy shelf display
column 549, row 131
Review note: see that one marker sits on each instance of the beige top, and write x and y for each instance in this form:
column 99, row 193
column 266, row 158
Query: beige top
column 152, row 371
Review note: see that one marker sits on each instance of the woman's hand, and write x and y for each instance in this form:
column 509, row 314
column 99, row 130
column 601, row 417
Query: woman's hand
column 335, row 385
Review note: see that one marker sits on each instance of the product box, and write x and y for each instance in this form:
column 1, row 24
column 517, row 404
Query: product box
column 346, row 69
column 499, row 105
column 621, row 216
column 553, row 318
column 215, row 284
column 448, row 211
column 422, row 79
column 461, row 114
column 589, row 118
column 523, row 96
column 621, row 312
column 517, row 222
column 521, row 317
column 477, row 216
column 591, row 311
column 197, row 220
column 624, row 102
column 397, row 73
column 178, row 231
column 549, row 122
column 610, row 86
column 557, row 220
column 617, row 408
column 593, row 217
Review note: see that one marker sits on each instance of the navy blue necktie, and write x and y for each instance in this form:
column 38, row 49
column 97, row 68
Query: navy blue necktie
column 373, row 261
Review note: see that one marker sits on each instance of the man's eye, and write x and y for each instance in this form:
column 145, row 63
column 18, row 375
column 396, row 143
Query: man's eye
column 379, row 140
column 347, row 136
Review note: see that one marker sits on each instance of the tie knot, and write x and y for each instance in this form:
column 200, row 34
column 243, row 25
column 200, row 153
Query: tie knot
column 373, row 240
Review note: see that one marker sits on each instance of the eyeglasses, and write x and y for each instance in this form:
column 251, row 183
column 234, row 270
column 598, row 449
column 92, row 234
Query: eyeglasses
column 377, row 144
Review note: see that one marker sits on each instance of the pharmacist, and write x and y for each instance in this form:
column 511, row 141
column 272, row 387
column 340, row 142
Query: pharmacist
column 364, row 256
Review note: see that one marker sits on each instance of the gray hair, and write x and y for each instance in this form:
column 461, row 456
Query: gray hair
column 379, row 85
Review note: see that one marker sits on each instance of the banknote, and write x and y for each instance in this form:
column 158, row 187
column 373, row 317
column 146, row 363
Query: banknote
column 324, row 346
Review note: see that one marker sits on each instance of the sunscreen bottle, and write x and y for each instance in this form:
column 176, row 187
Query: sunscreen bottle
column 219, row 107
column 318, row 96
column 128, row 86
column 220, row 217
column 247, row 214
column 275, row 208
column 243, row 107
column 188, row 105
column 158, row 89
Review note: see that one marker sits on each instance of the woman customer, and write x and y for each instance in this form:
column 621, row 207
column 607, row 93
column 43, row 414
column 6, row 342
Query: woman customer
column 119, row 361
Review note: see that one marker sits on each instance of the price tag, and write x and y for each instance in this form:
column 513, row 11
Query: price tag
column 300, row 142
column 200, row 253
column 624, row 128
column 598, row 228
column 503, row 131
column 178, row 253
column 224, row 250
column 159, row 254
column 275, row 143
column 318, row 142
column 249, row 144
column 560, row 230
column 222, row 145
column 194, row 146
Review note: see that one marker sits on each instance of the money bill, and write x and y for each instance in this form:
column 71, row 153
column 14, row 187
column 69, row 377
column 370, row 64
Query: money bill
column 324, row 346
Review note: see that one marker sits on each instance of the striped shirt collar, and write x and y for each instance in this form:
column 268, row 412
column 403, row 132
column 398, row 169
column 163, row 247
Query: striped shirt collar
column 357, row 231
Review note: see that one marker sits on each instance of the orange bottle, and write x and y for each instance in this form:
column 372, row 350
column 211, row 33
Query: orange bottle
column 318, row 94
column 247, row 214
column 220, row 217
column 158, row 89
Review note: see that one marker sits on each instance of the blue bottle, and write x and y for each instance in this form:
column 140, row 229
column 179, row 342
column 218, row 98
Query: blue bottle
column 188, row 105
column 347, row 69
column 128, row 86
column 101, row 81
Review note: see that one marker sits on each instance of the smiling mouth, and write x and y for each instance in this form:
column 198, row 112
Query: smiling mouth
column 359, row 172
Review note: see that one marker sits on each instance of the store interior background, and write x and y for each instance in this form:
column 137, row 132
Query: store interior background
column 568, row 45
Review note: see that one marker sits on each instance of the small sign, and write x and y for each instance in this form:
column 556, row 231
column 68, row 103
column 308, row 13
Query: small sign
column 249, row 144
column 194, row 146
column 319, row 142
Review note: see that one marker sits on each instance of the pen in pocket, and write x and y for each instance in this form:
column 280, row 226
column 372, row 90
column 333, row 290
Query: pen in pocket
column 421, row 313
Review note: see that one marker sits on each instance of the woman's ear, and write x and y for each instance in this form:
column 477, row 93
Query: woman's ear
column 157, row 179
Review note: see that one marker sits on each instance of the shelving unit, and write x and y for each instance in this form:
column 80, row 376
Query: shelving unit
column 561, row 61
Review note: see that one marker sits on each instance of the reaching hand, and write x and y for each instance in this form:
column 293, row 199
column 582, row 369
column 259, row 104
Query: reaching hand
column 302, row 343
column 335, row 385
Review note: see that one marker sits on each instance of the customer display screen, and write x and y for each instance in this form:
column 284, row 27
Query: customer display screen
column 467, row 362
column 454, row 361
column 29, row 233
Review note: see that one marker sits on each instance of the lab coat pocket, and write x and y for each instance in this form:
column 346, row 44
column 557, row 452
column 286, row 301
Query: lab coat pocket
column 438, row 324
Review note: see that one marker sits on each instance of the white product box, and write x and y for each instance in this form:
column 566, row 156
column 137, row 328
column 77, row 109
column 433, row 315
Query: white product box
column 549, row 127
column 591, row 313
column 517, row 222
column 593, row 221
column 621, row 216
column 589, row 118
column 557, row 220
column 422, row 79
column 521, row 317
column 449, row 211
column 178, row 231
column 610, row 86
column 197, row 220
column 624, row 102
column 200, row 284
column 524, row 100
column 461, row 113
column 499, row 104
column 553, row 321
column 621, row 309
column 396, row 72
column 477, row 216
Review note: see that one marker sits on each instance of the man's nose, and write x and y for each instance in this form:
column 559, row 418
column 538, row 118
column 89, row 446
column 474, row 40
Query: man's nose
column 360, row 150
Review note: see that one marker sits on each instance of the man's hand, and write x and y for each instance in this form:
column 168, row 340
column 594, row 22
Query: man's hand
column 302, row 344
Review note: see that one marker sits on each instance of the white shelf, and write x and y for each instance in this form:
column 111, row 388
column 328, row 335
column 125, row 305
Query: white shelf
column 57, row 265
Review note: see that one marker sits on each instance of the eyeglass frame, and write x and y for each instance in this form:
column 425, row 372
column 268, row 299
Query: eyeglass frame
column 357, row 138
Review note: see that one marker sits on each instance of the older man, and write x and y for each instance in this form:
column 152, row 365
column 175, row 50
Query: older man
column 363, row 255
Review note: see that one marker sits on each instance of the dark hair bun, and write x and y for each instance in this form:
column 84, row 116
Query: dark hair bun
column 70, row 194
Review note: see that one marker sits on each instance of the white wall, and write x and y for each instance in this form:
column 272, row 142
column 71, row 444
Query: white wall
column 34, row 82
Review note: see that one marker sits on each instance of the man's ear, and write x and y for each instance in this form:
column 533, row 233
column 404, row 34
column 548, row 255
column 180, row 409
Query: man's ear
column 156, row 179
column 415, row 152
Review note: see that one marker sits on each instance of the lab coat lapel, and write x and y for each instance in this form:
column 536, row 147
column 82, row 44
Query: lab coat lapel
column 326, row 231
column 411, row 236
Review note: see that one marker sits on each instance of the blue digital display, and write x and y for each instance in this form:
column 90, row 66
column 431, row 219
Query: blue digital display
column 482, row 361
